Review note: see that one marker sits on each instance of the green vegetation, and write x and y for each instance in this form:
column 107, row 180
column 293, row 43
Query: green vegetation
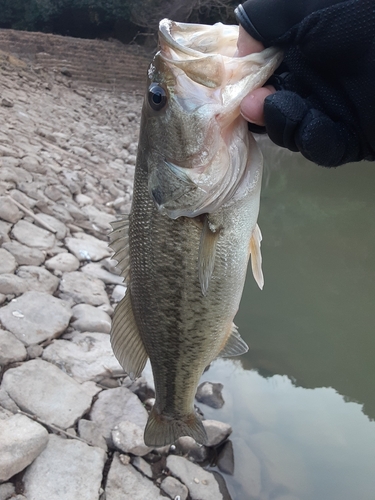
column 121, row 19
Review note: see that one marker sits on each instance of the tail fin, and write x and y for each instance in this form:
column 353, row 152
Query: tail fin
column 162, row 430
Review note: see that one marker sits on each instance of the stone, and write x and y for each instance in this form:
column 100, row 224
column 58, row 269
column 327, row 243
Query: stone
column 189, row 447
column 247, row 467
column 118, row 293
column 21, row 441
column 87, row 356
column 225, row 459
column 35, row 317
column 65, row 262
column 91, row 319
column 83, row 289
column 201, row 484
column 98, row 272
column 217, row 432
column 25, row 255
column 124, row 482
column 44, row 390
column 9, row 211
column 33, row 236
column 90, row 432
column 100, row 219
column 86, row 247
column 11, row 349
column 210, row 394
column 140, row 464
column 22, row 198
column 128, row 437
column 34, row 351
column 7, row 490
column 8, row 263
column 4, row 232
column 115, row 405
column 174, row 488
column 83, row 199
column 60, row 227
column 10, row 284
column 38, row 279
column 283, row 466
column 7, row 402
column 67, row 469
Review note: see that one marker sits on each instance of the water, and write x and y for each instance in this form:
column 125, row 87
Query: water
column 302, row 400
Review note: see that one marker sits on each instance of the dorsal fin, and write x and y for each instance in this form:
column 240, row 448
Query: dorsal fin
column 119, row 242
column 235, row 345
column 126, row 340
column 207, row 251
column 256, row 256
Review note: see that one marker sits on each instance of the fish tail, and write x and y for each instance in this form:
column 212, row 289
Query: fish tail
column 162, row 429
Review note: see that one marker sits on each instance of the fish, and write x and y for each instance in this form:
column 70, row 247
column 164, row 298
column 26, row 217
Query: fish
column 183, row 250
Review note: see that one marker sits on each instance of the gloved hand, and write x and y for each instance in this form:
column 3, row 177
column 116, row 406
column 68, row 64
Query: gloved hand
column 324, row 104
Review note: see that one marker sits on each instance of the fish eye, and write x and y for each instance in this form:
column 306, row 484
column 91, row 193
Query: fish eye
column 157, row 97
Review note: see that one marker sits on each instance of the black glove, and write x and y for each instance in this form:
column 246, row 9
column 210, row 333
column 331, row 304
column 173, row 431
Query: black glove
column 324, row 106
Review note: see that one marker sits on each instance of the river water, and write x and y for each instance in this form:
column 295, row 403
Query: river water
column 302, row 400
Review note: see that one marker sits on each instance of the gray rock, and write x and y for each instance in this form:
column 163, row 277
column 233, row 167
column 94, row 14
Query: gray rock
column 284, row 467
column 65, row 262
column 126, row 483
column 128, row 437
column 21, row 441
column 4, row 231
column 90, row 432
column 225, row 459
column 115, row 405
column 87, row 356
column 97, row 271
column 31, row 164
column 67, row 469
column 6, row 402
column 35, row 317
column 8, row 263
column 210, row 394
column 118, row 293
column 25, row 255
column 187, row 446
column 86, row 247
column 60, row 227
column 11, row 349
column 10, row 284
column 247, row 467
column 38, row 279
column 83, row 199
column 140, row 464
column 7, row 490
column 22, row 198
column 201, row 484
column 174, row 488
column 9, row 211
column 91, row 319
column 217, row 432
column 287, row 497
column 101, row 220
column 83, row 289
column 34, row 351
column 44, row 390
column 32, row 235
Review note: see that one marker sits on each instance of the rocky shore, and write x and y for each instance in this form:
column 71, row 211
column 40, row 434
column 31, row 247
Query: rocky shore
column 71, row 421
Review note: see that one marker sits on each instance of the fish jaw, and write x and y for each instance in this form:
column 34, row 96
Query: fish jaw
column 200, row 139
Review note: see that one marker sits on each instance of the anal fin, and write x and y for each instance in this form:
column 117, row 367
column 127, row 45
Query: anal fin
column 256, row 256
column 126, row 340
column 207, row 251
column 235, row 345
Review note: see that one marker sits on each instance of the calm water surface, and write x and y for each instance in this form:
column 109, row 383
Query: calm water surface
column 302, row 400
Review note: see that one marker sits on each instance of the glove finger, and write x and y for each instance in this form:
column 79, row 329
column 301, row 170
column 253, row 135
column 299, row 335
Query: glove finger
column 326, row 142
column 283, row 113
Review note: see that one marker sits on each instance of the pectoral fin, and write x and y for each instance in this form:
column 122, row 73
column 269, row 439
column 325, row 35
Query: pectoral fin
column 207, row 251
column 235, row 345
column 256, row 256
column 119, row 242
column 126, row 340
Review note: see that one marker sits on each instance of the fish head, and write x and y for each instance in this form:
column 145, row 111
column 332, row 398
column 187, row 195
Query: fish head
column 197, row 141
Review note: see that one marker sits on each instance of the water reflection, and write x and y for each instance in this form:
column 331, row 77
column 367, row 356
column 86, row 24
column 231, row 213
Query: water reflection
column 314, row 323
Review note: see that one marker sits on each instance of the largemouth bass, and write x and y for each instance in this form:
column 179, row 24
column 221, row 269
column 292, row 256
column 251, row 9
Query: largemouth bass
column 185, row 246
